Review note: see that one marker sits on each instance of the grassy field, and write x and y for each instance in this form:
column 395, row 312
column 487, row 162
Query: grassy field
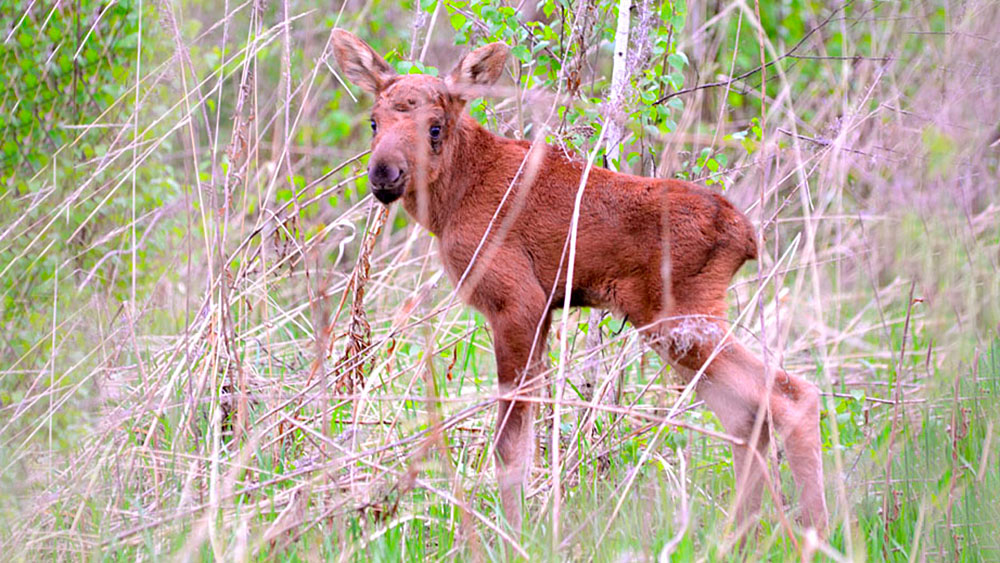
column 217, row 345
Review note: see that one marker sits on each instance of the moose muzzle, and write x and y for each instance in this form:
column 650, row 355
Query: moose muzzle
column 388, row 181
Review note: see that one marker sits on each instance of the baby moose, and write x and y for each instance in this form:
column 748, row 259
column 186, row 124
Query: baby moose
column 659, row 252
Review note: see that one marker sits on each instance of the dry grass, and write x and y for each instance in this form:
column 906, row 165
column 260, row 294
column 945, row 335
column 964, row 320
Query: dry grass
column 254, row 369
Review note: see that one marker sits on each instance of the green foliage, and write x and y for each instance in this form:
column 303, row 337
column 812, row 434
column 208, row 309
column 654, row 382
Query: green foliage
column 67, row 104
column 553, row 54
column 61, row 72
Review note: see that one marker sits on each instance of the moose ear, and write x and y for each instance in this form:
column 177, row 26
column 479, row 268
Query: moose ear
column 479, row 69
column 360, row 63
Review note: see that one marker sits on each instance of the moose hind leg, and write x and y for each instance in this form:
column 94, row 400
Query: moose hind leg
column 739, row 419
column 734, row 386
column 796, row 411
column 794, row 406
column 686, row 342
column 736, row 382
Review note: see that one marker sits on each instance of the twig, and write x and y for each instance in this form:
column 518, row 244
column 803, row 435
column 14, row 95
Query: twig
column 749, row 73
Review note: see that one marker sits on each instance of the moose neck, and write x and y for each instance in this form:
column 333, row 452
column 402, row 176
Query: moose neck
column 445, row 192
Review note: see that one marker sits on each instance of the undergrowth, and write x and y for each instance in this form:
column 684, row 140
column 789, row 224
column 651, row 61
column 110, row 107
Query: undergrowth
column 216, row 345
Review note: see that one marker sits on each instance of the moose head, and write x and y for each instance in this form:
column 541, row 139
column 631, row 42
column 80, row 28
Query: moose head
column 415, row 119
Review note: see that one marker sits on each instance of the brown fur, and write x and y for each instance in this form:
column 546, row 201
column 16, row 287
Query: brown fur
column 453, row 185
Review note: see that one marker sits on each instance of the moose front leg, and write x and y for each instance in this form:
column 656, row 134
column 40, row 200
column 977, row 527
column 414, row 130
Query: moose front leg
column 519, row 332
column 515, row 447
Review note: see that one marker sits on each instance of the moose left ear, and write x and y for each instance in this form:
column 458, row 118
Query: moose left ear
column 479, row 69
column 360, row 63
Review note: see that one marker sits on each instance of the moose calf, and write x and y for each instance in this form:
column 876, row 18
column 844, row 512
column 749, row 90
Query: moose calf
column 659, row 252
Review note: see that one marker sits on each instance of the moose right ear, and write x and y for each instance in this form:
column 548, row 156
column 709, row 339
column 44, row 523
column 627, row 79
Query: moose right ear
column 360, row 63
column 477, row 70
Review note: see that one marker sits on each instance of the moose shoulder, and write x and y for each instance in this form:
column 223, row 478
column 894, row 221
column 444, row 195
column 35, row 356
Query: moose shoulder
column 502, row 210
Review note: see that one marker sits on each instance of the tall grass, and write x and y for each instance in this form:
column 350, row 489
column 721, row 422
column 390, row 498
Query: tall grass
column 247, row 358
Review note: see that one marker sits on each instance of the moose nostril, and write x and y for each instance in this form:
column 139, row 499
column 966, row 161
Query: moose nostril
column 392, row 173
column 384, row 174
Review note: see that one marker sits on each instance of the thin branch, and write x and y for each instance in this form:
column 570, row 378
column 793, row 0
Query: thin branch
column 787, row 54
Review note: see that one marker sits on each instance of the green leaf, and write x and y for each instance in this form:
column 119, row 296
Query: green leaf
column 677, row 60
column 457, row 20
column 548, row 8
column 521, row 53
column 676, row 80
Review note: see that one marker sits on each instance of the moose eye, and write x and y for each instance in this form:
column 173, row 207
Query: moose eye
column 435, row 132
column 374, row 125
